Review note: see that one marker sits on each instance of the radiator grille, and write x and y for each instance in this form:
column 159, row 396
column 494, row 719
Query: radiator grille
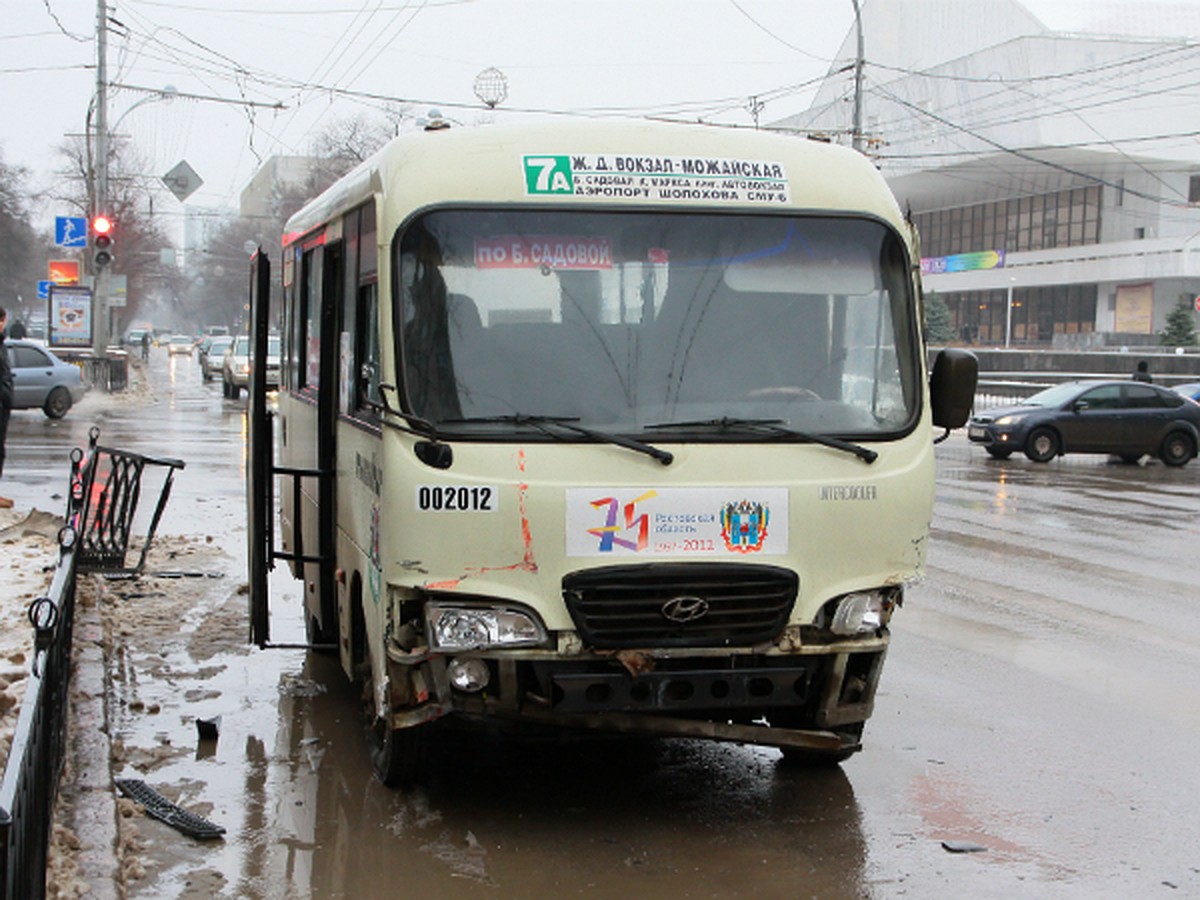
column 680, row 604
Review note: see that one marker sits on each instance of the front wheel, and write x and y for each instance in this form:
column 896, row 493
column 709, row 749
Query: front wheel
column 1177, row 448
column 57, row 403
column 399, row 756
column 1041, row 445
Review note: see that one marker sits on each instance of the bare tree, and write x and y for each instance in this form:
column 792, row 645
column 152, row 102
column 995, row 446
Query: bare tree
column 348, row 141
column 22, row 260
column 139, row 237
column 219, row 271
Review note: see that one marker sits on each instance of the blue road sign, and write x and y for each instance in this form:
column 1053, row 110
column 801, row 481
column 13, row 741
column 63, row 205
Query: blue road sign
column 44, row 289
column 70, row 231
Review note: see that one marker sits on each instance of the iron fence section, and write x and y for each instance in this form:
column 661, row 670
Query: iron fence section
column 30, row 783
column 106, row 485
column 104, row 490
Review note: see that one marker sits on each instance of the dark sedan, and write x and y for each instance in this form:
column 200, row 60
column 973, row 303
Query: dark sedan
column 1125, row 418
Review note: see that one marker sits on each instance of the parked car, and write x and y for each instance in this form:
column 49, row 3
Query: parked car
column 1126, row 418
column 212, row 356
column 180, row 345
column 41, row 380
column 235, row 369
column 1191, row 389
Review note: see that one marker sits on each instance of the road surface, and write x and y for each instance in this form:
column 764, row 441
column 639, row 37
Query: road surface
column 1040, row 703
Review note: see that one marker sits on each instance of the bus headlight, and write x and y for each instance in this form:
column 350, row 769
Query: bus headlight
column 861, row 613
column 478, row 628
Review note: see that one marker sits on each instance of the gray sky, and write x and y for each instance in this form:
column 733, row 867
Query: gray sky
column 697, row 58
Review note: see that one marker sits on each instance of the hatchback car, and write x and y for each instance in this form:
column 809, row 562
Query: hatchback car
column 1126, row 418
column 41, row 380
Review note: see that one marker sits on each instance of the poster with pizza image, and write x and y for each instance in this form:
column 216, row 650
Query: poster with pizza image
column 70, row 316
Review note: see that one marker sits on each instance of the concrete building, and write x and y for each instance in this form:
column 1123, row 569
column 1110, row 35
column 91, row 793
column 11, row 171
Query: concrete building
column 1054, row 177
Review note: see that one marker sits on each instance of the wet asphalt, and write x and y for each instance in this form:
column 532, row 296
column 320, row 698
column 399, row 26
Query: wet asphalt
column 1040, row 705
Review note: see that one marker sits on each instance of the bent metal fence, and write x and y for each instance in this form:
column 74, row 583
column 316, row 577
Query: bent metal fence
column 105, row 487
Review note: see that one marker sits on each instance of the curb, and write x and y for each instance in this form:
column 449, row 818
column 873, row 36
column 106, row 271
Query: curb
column 92, row 812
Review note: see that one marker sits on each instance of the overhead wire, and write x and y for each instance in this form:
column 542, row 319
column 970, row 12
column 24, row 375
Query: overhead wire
column 1030, row 156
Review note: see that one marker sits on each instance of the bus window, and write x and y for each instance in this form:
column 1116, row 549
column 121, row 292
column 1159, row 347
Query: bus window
column 309, row 320
column 367, row 396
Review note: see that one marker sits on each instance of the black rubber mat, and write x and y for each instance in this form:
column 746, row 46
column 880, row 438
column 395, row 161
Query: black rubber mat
column 164, row 810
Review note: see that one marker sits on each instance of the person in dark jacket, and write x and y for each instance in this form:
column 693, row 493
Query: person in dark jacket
column 1143, row 372
column 6, row 395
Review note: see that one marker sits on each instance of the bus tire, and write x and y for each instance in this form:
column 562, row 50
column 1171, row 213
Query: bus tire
column 399, row 756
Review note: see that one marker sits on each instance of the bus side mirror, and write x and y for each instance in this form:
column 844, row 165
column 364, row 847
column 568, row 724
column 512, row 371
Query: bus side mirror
column 952, row 387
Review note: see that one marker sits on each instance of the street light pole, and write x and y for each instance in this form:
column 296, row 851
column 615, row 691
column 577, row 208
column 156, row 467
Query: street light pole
column 856, row 137
column 100, row 284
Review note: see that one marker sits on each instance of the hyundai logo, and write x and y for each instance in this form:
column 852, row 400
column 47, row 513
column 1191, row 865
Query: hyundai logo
column 685, row 609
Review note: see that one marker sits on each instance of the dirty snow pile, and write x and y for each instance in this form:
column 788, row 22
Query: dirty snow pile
column 28, row 555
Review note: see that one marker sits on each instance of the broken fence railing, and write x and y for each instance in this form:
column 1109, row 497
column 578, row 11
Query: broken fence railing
column 106, row 485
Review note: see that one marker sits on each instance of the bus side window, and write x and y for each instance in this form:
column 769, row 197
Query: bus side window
column 310, row 301
column 366, row 395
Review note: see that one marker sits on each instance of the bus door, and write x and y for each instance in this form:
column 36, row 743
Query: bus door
column 321, row 267
column 328, row 380
column 307, row 434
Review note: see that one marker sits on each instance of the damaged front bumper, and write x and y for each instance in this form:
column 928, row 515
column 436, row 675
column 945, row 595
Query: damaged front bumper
column 813, row 696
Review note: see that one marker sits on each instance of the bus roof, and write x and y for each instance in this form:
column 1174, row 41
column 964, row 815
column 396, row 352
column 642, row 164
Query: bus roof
column 606, row 164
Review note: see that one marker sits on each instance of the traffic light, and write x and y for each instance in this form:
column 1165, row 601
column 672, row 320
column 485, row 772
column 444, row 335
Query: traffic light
column 102, row 241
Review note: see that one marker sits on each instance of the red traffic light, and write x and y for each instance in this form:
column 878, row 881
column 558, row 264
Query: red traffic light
column 102, row 239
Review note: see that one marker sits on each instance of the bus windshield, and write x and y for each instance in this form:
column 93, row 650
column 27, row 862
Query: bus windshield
column 624, row 321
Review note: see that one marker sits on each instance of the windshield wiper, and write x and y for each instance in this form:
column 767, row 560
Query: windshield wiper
column 775, row 428
column 568, row 423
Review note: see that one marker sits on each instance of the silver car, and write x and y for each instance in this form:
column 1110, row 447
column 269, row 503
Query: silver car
column 212, row 357
column 43, row 381
column 235, row 367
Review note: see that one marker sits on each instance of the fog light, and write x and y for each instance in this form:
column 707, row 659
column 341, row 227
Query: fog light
column 470, row 675
column 860, row 614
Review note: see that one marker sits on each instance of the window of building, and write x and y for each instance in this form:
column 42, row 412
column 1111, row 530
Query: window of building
column 1194, row 189
column 1069, row 218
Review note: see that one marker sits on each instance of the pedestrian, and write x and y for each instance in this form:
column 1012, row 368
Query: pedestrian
column 1143, row 372
column 6, row 395
column 145, row 345
column 16, row 330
